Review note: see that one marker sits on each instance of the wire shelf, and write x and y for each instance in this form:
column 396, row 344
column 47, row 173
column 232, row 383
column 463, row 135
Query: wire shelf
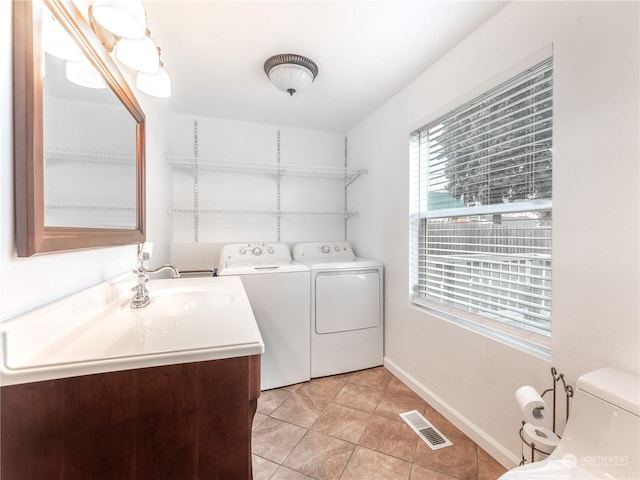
column 188, row 212
column 89, row 154
column 266, row 168
column 90, row 209
column 196, row 165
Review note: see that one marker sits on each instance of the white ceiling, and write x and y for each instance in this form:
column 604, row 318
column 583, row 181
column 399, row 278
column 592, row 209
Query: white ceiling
column 366, row 51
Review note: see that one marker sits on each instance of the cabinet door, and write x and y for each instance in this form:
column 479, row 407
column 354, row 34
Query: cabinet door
column 186, row 421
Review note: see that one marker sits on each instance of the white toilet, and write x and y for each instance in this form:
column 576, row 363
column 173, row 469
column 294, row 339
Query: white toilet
column 602, row 436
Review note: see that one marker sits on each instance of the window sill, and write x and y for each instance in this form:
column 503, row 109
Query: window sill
column 538, row 348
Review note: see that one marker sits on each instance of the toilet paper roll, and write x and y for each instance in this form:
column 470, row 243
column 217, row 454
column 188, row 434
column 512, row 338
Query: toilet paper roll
column 531, row 404
column 544, row 440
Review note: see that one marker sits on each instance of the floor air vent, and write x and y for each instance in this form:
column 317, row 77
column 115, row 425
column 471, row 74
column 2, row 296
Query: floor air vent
column 425, row 430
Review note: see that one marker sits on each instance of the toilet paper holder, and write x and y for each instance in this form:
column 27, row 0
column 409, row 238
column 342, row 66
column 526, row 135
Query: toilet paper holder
column 568, row 391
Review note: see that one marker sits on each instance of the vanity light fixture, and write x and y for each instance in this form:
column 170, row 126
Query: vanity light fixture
column 140, row 54
column 157, row 84
column 56, row 40
column 124, row 18
column 119, row 25
column 122, row 25
column 290, row 73
column 82, row 73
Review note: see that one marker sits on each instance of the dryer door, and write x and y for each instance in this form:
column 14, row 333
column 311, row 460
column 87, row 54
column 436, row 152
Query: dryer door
column 347, row 300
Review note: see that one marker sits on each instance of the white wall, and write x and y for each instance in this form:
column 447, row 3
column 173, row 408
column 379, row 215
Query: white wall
column 26, row 283
column 596, row 240
column 158, row 176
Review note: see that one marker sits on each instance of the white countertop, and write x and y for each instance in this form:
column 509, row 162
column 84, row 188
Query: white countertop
column 96, row 331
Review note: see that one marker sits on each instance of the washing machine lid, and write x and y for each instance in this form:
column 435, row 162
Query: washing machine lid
column 323, row 252
column 331, row 256
column 256, row 258
column 356, row 264
column 262, row 268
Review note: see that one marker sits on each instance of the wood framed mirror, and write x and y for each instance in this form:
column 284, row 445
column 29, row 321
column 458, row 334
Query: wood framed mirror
column 79, row 154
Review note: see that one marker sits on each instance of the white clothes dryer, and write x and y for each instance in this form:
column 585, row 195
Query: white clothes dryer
column 347, row 331
column 278, row 291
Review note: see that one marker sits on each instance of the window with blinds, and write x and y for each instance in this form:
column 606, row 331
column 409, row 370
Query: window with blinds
column 481, row 209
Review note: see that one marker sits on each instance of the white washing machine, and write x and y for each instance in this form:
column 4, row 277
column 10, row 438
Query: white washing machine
column 278, row 290
column 346, row 308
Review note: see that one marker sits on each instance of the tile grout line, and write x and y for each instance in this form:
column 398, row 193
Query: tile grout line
column 367, row 382
column 355, row 445
column 347, row 462
column 289, row 454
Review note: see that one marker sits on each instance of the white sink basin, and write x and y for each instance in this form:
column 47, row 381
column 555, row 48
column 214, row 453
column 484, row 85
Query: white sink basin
column 96, row 331
column 179, row 301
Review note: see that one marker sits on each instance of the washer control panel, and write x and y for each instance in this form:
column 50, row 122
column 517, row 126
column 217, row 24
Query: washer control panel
column 323, row 251
column 248, row 253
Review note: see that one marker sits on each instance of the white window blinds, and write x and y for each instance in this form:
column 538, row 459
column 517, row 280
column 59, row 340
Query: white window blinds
column 481, row 207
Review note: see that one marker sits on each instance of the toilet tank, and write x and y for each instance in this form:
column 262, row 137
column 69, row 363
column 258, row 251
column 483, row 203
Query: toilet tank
column 603, row 431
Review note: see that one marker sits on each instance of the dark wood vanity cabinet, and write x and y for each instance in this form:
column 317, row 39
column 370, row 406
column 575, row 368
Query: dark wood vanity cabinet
column 179, row 422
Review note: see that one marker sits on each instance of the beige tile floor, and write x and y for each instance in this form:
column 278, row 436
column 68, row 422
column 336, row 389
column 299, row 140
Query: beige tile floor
column 347, row 427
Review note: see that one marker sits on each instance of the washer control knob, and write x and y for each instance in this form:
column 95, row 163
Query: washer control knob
column 257, row 251
column 325, row 249
column 337, row 248
column 270, row 250
column 242, row 251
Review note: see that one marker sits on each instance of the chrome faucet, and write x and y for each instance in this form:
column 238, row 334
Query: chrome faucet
column 140, row 293
column 174, row 270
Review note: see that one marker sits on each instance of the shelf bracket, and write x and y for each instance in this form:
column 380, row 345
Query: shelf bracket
column 349, row 179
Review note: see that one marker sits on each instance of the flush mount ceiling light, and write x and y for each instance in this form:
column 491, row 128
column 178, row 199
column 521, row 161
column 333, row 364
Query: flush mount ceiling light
column 290, row 73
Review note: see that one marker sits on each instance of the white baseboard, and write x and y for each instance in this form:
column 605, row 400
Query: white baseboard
column 479, row 436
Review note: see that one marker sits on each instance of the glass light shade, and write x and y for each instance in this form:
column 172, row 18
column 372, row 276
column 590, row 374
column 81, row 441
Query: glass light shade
column 82, row 73
column 124, row 18
column 57, row 41
column 291, row 78
column 157, row 84
column 141, row 54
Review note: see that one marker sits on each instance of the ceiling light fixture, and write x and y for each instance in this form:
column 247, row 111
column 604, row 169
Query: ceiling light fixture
column 157, row 84
column 119, row 25
column 84, row 74
column 57, row 41
column 122, row 25
column 140, row 54
column 290, row 73
column 124, row 18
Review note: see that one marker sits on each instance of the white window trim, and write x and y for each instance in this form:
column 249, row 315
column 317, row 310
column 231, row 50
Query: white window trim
column 523, row 339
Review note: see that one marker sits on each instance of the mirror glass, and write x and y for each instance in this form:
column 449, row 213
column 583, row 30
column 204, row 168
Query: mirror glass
column 79, row 136
column 89, row 144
